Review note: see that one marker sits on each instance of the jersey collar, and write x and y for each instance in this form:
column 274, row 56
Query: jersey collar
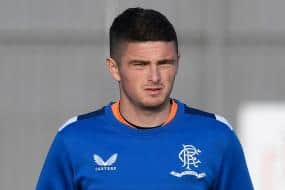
column 119, row 117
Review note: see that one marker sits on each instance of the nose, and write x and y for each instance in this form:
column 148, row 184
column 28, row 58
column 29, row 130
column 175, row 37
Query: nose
column 154, row 73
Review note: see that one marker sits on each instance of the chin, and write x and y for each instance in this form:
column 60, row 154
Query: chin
column 155, row 103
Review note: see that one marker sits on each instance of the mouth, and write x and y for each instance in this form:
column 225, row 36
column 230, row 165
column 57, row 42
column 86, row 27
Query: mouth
column 153, row 90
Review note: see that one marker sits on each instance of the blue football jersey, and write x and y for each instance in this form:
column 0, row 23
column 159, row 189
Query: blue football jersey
column 193, row 150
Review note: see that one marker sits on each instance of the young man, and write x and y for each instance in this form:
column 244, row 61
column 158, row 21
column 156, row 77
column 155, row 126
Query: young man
column 146, row 140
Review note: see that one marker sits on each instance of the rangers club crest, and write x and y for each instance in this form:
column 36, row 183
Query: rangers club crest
column 189, row 158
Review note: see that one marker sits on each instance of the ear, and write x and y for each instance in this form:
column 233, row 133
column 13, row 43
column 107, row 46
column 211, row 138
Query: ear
column 178, row 60
column 113, row 68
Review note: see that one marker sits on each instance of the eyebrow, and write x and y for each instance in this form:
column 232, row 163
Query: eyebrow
column 138, row 61
column 167, row 61
column 159, row 61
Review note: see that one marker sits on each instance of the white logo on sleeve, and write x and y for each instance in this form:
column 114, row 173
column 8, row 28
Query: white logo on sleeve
column 188, row 156
column 105, row 165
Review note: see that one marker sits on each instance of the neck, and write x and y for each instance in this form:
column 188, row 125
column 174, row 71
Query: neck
column 145, row 116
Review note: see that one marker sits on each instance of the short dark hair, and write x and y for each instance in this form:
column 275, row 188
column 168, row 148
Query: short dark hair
column 139, row 25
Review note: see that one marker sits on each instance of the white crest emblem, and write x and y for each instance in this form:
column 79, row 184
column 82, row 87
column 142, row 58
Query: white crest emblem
column 188, row 157
column 105, row 165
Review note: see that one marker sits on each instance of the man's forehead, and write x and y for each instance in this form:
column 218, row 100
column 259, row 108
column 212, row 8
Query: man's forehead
column 149, row 49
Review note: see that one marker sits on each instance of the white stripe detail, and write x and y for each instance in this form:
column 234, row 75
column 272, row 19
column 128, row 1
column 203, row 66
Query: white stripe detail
column 71, row 120
column 223, row 120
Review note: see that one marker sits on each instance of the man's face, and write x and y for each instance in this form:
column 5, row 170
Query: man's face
column 146, row 72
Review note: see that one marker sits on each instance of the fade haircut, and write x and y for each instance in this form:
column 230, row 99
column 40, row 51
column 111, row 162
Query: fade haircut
column 140, row 25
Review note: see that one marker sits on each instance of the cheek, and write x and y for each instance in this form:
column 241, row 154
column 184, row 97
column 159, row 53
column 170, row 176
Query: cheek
column 131, row 81
column 170, row 77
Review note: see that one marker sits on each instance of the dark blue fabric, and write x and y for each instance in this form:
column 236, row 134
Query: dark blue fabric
column 91, row 114
column 195, row 111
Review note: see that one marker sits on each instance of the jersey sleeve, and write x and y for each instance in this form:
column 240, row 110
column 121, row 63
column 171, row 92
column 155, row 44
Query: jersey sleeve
column 57, row 171
column 234, row 174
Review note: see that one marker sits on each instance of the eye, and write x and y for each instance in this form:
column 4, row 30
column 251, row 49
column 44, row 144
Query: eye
column 167, row 62
column 139, row 64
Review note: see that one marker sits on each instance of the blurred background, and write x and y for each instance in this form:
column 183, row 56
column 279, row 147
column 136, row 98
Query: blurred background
column 52, row 56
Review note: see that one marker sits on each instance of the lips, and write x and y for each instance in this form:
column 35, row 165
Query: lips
column 153, row 90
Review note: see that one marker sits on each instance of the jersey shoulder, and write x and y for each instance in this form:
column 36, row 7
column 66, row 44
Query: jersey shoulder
column 82, row 118
column 203, row 115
